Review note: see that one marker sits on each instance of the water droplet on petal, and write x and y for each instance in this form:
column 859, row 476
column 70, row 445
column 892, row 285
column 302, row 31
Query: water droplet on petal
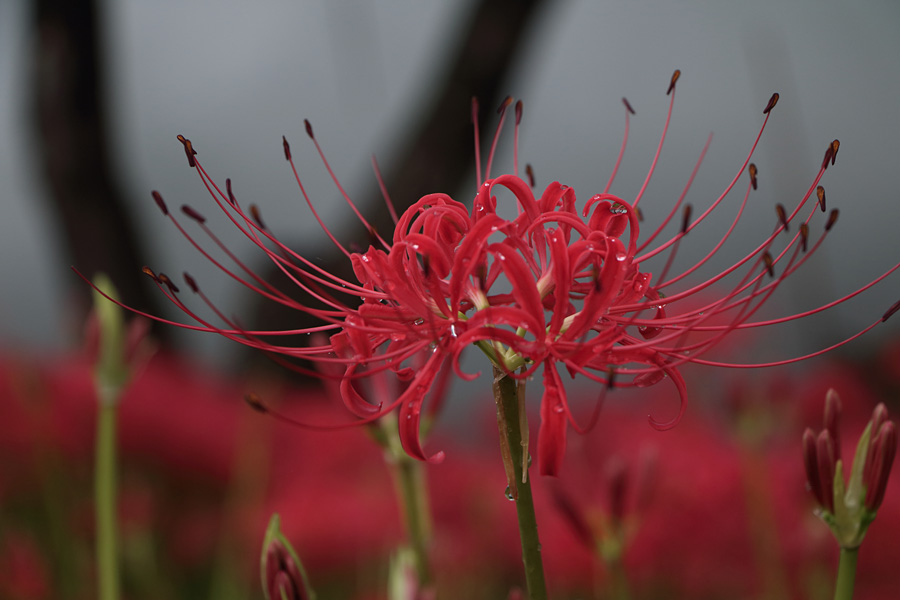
column 620, row 256
column 648, row 379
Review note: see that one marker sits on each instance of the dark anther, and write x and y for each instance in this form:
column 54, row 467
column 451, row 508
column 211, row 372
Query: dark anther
column 639, row 213
column 504, row 105
column 782, row 215
column 191, row 283
column 188, row 149
column 610, row 378
column 804, row 235
column 890, row 312
column 255, row 403
column 770, row 266
column 829, row 156
column 164, row 279
column 529, row 170
column 254, row 212
column 835, row 146
column 753, row 172
column 832, row 219
column 160, row 202
column 193, row 214
column 628, row 105
column 675, row 77
column 231, row 197
column 474, row 109
column 686, row 218
column 518, row 112
column 308, row 129
column 287, row 148
column 820, row 194
column 149, row 272
column 772, row 102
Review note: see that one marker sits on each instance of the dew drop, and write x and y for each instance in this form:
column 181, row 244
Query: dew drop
column 620, row 256
column 508, row 493
column 558, row 408
column 648, row 379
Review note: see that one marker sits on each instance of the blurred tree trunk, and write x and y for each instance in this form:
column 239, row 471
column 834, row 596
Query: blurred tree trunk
column 439, row 151
column 69, row 112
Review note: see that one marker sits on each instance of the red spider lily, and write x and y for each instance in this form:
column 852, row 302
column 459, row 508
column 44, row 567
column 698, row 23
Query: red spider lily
column 554, row 285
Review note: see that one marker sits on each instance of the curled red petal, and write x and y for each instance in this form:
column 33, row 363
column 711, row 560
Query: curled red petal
column 411, row 409
column 678, row 380
column 524, row 286
column 552, row 434
column 353, row 400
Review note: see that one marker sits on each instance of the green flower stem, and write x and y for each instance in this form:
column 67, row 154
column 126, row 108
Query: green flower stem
column 409, row 478
column 105, row 497
column 843, row 589
column 411, row 484
column 618, row 580
column 506, row 396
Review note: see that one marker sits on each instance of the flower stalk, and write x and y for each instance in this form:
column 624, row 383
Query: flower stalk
column 110, row 375
column 105, row 500
column 506, row 394
column 843, row 589
column 409, row 478
column 117, row 351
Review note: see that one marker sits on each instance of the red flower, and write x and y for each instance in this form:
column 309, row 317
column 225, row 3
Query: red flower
column 542, row 284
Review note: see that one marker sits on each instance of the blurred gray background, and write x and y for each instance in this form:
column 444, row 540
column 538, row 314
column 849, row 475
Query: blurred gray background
column 234, row 78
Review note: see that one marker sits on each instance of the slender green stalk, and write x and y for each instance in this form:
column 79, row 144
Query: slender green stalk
column 411, row 485
column 409, row 478
column 618, row 580
column 507, row 398
column 105, row 499
column 843, row 589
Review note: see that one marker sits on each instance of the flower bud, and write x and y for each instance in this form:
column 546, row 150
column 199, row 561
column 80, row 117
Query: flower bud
column 283, row 577
column 883, row 449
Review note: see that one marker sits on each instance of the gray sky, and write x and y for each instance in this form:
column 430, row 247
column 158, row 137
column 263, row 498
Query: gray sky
column 234, row 79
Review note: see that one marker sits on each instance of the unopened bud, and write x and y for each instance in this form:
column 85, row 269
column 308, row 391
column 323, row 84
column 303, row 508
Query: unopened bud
column 884, row 448
column 283, row 577
column 832, row 420
column 811, row 464
column 827, row 466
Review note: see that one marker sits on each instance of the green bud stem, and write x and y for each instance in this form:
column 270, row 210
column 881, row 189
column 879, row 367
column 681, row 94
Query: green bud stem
column 843, row 589
column 105, row 501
